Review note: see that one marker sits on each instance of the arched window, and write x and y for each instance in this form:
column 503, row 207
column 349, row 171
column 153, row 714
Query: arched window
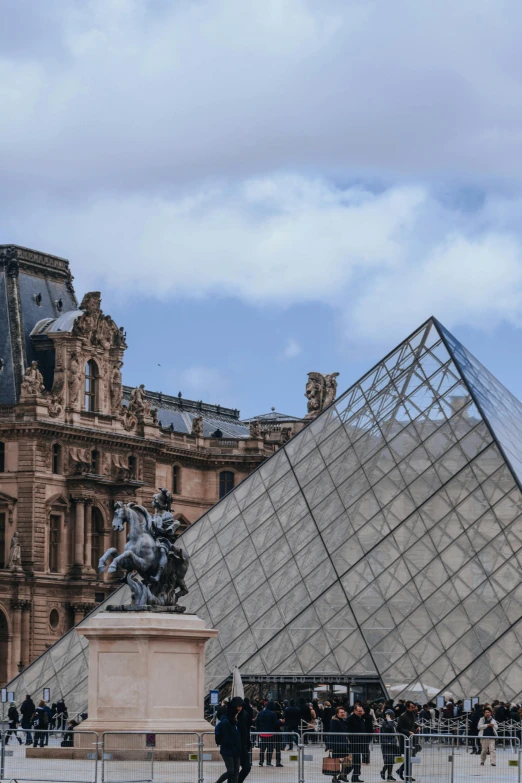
column 97, row 537
column 176, row 480
column 57, row 458
column 226, row 482
column 132, row 467
column 2, row 457
column 91, row 385
column 95, row 461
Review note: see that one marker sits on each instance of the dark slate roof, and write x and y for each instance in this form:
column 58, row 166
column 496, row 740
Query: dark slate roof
column 179, row 412
column 33, row 286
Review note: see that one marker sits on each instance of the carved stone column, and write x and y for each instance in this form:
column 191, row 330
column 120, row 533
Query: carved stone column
column 63, row 545
column 88, row 534
column 16, row 643
column 26, row 633
column 80, row 610
column 79, row 531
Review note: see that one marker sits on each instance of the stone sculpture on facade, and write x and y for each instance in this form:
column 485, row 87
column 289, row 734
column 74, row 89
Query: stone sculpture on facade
column 197, row 426
column 32, row 384
column 75, row 380
column 95, row 329
column 116, row 387
column 15, row 554
column 154, row 562
column 138, row 403
column 255, row 430
column 320, row 392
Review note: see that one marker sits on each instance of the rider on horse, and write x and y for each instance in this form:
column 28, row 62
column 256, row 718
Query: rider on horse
column 164, row 527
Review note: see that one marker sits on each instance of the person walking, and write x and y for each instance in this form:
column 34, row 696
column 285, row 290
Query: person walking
column 14, row 720
column 406, row 727
column 27, row 711
column 40, row 724
column 292, row 716
column 473, row 734
column 61, row 715
column 389, row 744
column 488, row 732
column 244, row 722
column 338, row 744
column 357, row 726
column 228, row 738
column 268, row 726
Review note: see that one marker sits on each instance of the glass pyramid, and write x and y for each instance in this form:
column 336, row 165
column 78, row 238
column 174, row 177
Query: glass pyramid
column 384, row 539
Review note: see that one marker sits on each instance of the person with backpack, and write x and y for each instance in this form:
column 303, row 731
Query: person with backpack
column 228, row 738
column 40, row 724
column 14, row 720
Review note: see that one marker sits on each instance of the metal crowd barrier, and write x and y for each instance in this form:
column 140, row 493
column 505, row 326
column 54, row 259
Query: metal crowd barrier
column 50, row 755
column 185, row 757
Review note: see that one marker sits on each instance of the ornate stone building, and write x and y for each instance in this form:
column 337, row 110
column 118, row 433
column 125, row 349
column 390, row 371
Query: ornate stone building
column 73, row 440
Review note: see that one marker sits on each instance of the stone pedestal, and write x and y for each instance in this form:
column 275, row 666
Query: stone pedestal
column 146, row 672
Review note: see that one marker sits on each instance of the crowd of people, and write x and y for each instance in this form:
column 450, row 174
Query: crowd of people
column 36, row 722
column 347, row 732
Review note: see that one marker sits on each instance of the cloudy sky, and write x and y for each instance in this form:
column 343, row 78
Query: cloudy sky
column 261, row 188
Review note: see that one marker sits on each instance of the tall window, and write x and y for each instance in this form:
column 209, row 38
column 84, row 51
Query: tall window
column 95, row 462
column 57, row 458
column 2, row 457
column 91, row 383
column 176, row 480
column 2, row 539
column 226, row 482
column 97, row 537
column 54, row 542
column 132, row 467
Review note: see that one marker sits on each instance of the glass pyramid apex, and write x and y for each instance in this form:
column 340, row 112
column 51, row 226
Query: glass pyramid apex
column 384, row 540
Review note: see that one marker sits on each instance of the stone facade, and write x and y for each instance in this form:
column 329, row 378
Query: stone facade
column 74, row 440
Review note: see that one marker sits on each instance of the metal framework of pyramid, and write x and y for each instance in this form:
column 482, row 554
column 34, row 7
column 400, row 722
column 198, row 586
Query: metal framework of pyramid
column 384, row 539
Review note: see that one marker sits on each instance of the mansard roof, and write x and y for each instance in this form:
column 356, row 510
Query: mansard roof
column 33, row 286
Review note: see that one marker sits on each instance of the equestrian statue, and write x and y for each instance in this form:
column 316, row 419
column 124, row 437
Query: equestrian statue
column 154, row 562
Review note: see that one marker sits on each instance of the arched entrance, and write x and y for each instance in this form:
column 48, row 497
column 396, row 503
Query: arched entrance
column 4, row 644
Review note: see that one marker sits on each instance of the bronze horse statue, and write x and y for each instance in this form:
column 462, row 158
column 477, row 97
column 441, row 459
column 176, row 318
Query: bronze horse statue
column 151, row 554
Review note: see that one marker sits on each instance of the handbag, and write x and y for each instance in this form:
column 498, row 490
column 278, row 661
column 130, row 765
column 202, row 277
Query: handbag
column 331, row 766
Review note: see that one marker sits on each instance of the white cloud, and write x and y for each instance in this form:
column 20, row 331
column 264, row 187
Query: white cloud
column 197, row 149
column 208, row 383
column 291, row 350
column 384, row 260
column 111, row 96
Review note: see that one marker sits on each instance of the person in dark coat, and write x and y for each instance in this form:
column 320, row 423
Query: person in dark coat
column 357, row 725
column 473, row 723
column 368, row 722
column 328, row 713
column 61, row 715
column 389, row 744
column 268, row 725
column 292, row 716
column 14, row 720
column 229, row 739
column 337, row 742
column 244, row 722
column 406, row 727
column 27, row 711
column 40, row 724
column 68, row 737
